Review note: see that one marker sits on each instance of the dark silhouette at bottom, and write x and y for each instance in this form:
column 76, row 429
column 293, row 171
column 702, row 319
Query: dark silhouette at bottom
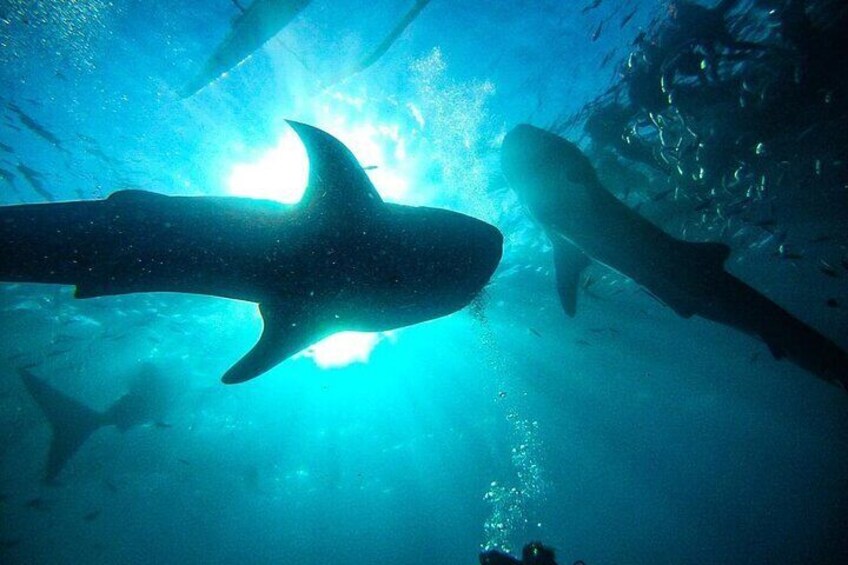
column 534, row 553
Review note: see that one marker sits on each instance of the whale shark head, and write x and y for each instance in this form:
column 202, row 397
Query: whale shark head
column 381, row 266
column 436, row 261
column 548, row 172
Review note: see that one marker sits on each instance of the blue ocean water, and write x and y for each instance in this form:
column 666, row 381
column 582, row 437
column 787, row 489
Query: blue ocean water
column 626, row 434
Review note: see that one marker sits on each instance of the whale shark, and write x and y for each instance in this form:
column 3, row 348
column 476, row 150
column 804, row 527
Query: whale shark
column 584, row 221
column 255, row 25
column 72, row 422
column 341, row 259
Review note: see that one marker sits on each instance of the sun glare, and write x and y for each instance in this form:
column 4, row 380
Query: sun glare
column 342, row 349
column 280, row 174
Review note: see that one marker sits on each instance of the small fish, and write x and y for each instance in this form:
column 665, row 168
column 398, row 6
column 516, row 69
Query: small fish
column 582, row 342
column 6, row 175
column 626, row 19
column 6, row 148
column 598, row 31
column 662, row 195
column 184, row 461
column 110, row 486
column 91, row 516
column 607, row 58
column 535, row 332
column 827, row 269
column 38, row 503
column 766, row 224
column 590, row 7
column 35, row 127
column 832, row 303
column 703, row 205
column 784, row 252
column 162, row 425
column 33, row 177
column 114, row 335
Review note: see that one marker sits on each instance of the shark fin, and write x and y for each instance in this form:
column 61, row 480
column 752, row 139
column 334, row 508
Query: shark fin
column 569, row 262
column 71, row 422
column 283, row 335
column 337, row 182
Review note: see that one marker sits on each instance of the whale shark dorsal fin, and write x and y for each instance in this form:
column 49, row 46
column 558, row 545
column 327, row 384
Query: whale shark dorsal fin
column 337, row 182
column 569, row 262
column 286, row 330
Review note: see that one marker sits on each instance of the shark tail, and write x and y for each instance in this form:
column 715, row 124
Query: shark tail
column 785, row 335
column 71, row 422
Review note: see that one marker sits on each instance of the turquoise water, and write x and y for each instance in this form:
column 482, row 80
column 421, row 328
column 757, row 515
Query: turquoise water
column 623, row 435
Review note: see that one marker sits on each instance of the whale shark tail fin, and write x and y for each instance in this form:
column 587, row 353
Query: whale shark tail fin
column 71, row 422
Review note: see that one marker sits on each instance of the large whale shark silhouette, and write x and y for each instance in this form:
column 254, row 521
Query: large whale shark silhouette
column 583, row 220
column 341, row 259
column 72, row 422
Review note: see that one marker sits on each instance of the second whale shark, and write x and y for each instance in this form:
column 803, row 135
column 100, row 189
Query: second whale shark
column 583, row 220
column 341, row 259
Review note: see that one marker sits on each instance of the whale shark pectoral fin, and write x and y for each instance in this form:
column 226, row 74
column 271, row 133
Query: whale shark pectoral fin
column 286, row 331
column 569, row 262
column 337, row 182
column 776, row 351
column 713, row 254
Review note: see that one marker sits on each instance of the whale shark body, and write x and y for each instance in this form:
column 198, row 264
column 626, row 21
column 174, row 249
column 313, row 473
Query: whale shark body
column 583, row 220
column 341, row 259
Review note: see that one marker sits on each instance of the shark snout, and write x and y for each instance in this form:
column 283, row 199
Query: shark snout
column 484, row 251
column 521, row 147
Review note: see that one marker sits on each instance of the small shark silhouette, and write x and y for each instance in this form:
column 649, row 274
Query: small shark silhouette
column 582, row 219
column 72, row 423
column 341, row 259
column 258, row 23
